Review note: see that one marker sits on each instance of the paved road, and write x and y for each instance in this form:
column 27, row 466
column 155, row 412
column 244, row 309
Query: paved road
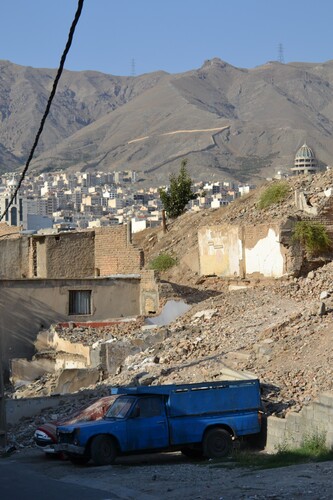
column 20, row 482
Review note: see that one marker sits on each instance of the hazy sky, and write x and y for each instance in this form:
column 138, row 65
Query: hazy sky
column 169, row 35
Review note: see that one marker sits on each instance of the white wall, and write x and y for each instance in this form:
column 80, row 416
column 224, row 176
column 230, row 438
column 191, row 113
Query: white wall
column 138, row 225
column 265, row 257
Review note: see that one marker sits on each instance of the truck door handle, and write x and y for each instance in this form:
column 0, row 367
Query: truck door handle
column 161, row 422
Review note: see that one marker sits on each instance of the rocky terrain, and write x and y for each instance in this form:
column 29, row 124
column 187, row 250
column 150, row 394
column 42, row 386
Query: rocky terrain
column 279, row 330
column 230, row 123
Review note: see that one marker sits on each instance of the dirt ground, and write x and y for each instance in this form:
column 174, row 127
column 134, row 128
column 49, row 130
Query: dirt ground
column 171, row 476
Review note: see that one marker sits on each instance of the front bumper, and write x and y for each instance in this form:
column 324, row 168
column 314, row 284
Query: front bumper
column 49, row 449
column 69, row 448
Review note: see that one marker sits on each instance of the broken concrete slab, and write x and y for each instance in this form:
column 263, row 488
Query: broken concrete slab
column 73, row 380
column 23, row 371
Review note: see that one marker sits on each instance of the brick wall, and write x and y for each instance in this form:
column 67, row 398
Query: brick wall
column 114, row 254
column 5, row 229
column 315, row 419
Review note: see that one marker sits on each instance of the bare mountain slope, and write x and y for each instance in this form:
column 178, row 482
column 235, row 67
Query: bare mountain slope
column 229, row 122
column 82, row 98
column 152, row 129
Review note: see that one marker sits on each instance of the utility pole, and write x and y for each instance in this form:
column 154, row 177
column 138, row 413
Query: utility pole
column 164, row 224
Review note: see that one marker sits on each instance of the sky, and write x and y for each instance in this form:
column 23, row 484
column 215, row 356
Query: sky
column 126, row 37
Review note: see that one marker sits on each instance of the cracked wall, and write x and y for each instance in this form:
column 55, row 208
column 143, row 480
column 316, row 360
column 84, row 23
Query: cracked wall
column 245, row 251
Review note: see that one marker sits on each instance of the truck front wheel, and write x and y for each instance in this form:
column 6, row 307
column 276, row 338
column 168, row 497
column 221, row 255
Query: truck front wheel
column 217, row 443
column 103, row 450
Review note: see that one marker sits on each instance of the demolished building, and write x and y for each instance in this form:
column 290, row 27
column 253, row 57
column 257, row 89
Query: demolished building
column 264, row 249
column 85, row 276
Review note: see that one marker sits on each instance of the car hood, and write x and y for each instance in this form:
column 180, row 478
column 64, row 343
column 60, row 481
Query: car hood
column 100, row 424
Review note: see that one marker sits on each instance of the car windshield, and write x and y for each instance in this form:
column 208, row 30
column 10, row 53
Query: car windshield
column 120, row 408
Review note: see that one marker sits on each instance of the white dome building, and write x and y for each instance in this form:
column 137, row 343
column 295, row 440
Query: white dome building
column 305, row 161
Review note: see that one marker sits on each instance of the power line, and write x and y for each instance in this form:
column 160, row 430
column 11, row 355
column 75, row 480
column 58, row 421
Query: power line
column 49, row 102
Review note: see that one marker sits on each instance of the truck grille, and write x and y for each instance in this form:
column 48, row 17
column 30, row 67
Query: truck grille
column 65, row 437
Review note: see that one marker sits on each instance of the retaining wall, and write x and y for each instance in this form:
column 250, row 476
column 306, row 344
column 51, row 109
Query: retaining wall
column 315, row 419
column 17, row 409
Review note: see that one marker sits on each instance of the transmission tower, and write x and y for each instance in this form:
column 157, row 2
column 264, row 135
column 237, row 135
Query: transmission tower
column 281, row 54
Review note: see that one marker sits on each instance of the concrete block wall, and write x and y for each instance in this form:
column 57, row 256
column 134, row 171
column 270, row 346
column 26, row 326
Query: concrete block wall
column 114, row 254
column 17, row 409
column 315, row 419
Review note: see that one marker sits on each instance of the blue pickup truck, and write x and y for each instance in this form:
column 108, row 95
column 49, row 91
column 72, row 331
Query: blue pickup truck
column 199, row 419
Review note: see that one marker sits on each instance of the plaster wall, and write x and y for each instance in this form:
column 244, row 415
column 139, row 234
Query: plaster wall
column 149, row 292
column 14, row 260
column 240, row 251
column 219, row 250
column 265, row 257
column 67, row 255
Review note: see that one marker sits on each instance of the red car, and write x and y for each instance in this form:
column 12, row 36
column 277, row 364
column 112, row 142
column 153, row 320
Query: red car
column 45, row 435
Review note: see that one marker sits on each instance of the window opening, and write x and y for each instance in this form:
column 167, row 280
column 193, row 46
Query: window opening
column 79, row 301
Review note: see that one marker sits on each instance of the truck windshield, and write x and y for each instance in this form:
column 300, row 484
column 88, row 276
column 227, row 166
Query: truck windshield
column 120, row 408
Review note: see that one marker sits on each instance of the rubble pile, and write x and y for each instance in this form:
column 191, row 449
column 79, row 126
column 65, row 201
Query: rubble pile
column 278, row 330
column 262, row 329
column 21, row 435
column 274, row 330
column 87, row 335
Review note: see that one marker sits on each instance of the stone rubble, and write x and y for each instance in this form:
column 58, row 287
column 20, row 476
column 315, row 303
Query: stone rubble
column 279, row 330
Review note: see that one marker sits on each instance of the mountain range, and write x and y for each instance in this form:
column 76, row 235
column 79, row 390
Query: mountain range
column 230, row 123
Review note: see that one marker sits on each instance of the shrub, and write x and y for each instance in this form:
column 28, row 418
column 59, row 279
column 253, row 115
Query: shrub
column 312, row 449
column 313, row 236
column 162, row 262
column 314, row 445
column 276, row 193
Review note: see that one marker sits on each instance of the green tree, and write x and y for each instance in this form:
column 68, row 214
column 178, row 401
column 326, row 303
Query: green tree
column 179, row 193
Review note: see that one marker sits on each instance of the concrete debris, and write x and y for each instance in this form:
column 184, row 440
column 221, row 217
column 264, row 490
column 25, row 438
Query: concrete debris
column 207, row 314
column 277, row 330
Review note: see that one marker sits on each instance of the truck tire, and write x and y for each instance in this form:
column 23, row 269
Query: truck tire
column 217, row 443
column 103, row 450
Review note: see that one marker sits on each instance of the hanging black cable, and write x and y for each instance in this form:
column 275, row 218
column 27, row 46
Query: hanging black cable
column 49, row 102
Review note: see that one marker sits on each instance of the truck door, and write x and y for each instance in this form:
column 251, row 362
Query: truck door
column 147, row 426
